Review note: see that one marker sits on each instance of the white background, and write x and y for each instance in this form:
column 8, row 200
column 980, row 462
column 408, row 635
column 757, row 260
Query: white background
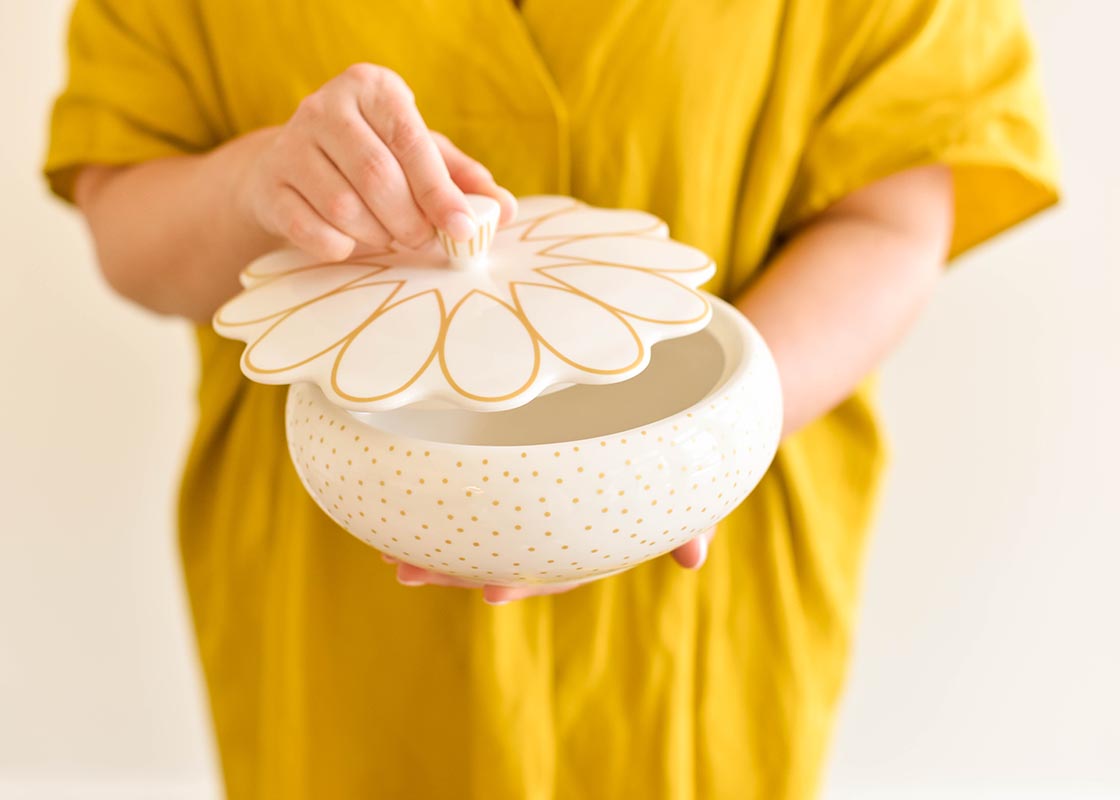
column 989, row 654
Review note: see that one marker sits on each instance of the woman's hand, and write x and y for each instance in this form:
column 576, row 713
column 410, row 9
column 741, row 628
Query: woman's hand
column 354, row 165
column 690, row 555
column 357, row 164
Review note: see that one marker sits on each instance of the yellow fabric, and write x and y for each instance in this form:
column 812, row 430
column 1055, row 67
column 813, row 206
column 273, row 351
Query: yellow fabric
column 735, row 121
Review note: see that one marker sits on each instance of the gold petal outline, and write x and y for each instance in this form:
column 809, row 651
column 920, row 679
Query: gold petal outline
column 256, row 277
column 710, row 264
column 362, row 261
column 384, row 309
column 246, row 357
column 443, row 358
column 652, row 273
column 376, row 269
column 524, row 237
column 529, row 223
column 363, row 280
column 572, row 290
column 558, row 240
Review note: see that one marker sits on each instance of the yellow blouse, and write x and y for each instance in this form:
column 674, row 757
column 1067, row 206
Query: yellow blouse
column 734, row 121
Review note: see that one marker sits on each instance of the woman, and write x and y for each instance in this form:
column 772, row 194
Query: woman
column 829, row 156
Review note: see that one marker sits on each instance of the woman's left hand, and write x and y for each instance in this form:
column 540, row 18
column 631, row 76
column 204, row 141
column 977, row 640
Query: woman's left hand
column 690, row 555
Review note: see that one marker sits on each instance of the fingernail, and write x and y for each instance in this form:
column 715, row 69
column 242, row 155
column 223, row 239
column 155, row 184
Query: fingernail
column 403, row 582
column 703, row 552
column 513, row 202
column 461, row 227
column 495, row 602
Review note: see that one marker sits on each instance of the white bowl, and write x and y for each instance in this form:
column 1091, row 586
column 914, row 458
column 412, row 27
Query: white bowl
column 581, row 482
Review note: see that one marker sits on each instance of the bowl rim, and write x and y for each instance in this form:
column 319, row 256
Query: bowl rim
column 753, row 352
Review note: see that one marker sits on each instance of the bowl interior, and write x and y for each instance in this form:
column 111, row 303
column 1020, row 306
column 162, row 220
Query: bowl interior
column 681, row 373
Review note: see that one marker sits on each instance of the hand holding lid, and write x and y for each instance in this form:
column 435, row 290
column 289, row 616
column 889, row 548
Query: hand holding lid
column 566, row 293
column 472, row 253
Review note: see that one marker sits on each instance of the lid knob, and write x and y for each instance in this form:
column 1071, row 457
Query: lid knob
column 472, row 253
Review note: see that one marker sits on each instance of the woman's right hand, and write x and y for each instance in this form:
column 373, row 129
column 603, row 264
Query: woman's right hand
column 356, row 164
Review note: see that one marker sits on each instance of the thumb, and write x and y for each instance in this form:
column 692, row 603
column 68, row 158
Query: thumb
column 693, row 553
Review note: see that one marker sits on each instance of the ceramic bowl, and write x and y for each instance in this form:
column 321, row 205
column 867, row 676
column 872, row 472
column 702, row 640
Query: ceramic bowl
column 584, row 481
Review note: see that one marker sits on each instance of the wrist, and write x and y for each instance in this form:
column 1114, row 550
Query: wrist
column 234, row 165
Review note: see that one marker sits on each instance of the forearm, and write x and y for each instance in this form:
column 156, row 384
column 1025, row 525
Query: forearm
column 840, row 294
column 171, row 234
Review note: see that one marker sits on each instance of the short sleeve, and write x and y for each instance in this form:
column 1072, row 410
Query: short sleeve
column 937, row 81
column 127, row 98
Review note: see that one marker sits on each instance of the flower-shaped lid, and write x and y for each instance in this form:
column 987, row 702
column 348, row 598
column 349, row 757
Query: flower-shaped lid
column 565, row 294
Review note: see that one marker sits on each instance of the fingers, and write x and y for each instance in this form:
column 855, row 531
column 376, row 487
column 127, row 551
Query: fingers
column 302, row 226
column 693, row 553
column 358, row 159
column 336, row 201
column 409, row 575
column 376, row 176
column 390, row 109
column 473, row 178
column 500, row 595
